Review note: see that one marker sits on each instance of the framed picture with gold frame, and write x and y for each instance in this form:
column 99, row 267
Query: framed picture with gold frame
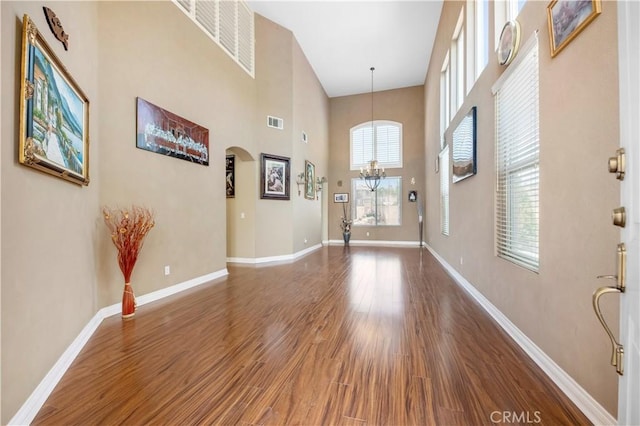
column 567, row 18
column 309, row 180
column 54, row 112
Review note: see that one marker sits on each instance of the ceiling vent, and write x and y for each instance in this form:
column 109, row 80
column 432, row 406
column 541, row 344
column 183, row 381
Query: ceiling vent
column 275, row 122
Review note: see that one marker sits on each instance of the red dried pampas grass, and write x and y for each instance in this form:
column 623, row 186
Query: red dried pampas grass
column 128, row 228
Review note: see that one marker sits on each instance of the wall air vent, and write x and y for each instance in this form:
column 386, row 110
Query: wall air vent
column 275, row 122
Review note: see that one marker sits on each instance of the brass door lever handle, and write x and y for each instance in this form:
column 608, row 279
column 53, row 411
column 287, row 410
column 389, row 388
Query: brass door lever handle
column 617, row 350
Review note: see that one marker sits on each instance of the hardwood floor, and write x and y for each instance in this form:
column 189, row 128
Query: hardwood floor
column 349, row 336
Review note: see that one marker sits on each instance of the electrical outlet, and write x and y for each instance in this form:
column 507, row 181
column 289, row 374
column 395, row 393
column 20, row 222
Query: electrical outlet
column 367, row 233
column 167, row 270
column 461, row 260
column 242, row 215
column 305, row 241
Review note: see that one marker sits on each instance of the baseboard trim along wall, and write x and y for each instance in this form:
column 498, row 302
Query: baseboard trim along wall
column 374, row 243
column 38, row 397
column 585, row 402
column 271, row 259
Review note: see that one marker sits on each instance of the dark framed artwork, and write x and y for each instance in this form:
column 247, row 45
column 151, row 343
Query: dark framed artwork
column 231, row 176
column 166, row 133
column 464, row 147
column 274, row 177
column 567, row 18
column 341, row 197
column 309, row 180
column 54, row 112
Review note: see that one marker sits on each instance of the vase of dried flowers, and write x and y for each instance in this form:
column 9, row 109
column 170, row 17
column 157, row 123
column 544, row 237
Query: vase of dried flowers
column 345, row 225
column 128, row 229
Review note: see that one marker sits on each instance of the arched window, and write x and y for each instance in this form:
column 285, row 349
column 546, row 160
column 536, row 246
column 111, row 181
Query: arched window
column 386, row 148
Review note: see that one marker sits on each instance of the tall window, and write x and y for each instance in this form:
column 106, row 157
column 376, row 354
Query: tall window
column 444, row 190
column 377, row 208
column 457, row 65
column 444, row 99
column 481, row 36
column 517, row 160
column 229, row 23
column 505, row 10
column 386, row 147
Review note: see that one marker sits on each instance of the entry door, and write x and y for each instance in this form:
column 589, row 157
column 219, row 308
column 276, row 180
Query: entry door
column 629, row 69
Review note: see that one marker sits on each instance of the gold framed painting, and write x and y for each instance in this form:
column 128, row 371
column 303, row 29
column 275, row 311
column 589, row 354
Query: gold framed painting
column 54, row 112
column 567, row 18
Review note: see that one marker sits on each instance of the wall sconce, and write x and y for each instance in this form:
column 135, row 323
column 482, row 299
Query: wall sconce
column 319, row 182
column 300, row 181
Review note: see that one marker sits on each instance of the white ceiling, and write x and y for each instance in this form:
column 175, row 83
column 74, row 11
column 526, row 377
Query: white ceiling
column 343, row 39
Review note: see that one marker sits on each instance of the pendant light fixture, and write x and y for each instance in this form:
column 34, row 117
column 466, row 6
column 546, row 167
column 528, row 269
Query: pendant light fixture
column 372, row 174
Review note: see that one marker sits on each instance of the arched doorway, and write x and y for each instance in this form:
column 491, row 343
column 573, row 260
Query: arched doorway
column 240, row 206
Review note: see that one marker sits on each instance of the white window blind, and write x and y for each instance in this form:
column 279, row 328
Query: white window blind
column 386, row 148
column 444, row 190
column 230, row 23
column 517, row 160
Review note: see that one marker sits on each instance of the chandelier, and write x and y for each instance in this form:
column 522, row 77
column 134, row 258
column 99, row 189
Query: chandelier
column 372, row 174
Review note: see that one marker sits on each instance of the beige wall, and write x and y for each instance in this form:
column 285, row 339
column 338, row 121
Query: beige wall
column 49, row 226
column 61, row 266
column 311, row 115
column 578, row 132
column 174, row 72
column 402, row 105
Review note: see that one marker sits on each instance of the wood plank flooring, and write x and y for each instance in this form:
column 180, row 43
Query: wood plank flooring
column 344, row 336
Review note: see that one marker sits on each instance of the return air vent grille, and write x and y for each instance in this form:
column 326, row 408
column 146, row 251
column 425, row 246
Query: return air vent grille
column 275, row 122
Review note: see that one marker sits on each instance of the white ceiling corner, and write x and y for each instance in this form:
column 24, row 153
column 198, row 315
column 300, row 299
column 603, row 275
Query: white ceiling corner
column 343, row 39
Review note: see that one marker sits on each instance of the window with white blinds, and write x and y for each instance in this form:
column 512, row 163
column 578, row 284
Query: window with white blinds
column 518, row 159
column 444, row 190
column 229, row 23
column 386, row 147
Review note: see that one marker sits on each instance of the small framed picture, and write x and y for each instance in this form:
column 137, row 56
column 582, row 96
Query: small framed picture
column 231, row 176
column 309, row 180
column 413, row 196
column 274, row 177
column 566, row 18
column 342, row 197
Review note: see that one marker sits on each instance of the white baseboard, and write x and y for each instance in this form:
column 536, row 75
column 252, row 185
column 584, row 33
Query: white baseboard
column 375, row 243
column 38, row 397
column 271, row 259
column 576, row 393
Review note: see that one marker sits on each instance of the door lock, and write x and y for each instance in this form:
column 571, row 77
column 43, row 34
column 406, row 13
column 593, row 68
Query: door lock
column 621, row 277
column 619, row 216
column 617, row 164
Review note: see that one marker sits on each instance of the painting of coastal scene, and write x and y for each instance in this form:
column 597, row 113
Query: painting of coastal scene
column 169, row 134
column 54, row 113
